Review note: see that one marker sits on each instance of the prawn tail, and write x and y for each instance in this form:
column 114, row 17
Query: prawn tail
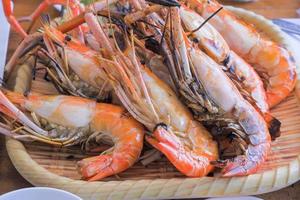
column 273, row 125
column 96, row 168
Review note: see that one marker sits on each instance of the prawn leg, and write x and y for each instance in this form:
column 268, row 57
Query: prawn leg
column 11, row 18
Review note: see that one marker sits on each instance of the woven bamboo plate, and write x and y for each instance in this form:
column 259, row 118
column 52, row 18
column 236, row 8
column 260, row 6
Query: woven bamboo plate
column 44, row 165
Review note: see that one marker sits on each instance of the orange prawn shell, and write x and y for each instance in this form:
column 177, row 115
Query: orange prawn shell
column 126, row 133
column 264, row 55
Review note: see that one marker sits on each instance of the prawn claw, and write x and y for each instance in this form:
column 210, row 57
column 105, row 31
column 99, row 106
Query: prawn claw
column 168, row 3
column 240, row 167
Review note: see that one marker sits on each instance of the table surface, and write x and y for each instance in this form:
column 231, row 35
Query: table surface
column 10, row 179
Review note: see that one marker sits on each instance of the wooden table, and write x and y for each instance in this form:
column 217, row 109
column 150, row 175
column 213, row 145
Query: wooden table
column 10, row 179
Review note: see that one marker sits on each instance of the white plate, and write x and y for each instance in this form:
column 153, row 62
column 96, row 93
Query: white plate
column 38, row 193
column 236, row 198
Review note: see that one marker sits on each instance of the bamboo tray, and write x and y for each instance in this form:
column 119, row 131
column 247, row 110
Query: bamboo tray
column 44, row 165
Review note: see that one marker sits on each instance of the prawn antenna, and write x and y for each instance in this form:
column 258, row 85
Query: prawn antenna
column 205, row 21
column 45, row 19
column 165, row 27
column 168, row 3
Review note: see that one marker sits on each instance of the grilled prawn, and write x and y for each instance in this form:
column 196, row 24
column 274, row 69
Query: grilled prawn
column 184, row 141
column 216, row 102
column 82, row 61
column 240, row 72
column 76, row 120
column 273, row 63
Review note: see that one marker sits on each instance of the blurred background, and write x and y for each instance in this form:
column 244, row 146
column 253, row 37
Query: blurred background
column 269, row 8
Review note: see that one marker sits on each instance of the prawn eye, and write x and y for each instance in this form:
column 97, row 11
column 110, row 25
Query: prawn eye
column 26, row 93
column 195, row 40
column 143, row 62
column 162, row 125
column 68, row 38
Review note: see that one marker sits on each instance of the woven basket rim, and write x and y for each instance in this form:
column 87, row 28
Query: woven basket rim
column 158, row 188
